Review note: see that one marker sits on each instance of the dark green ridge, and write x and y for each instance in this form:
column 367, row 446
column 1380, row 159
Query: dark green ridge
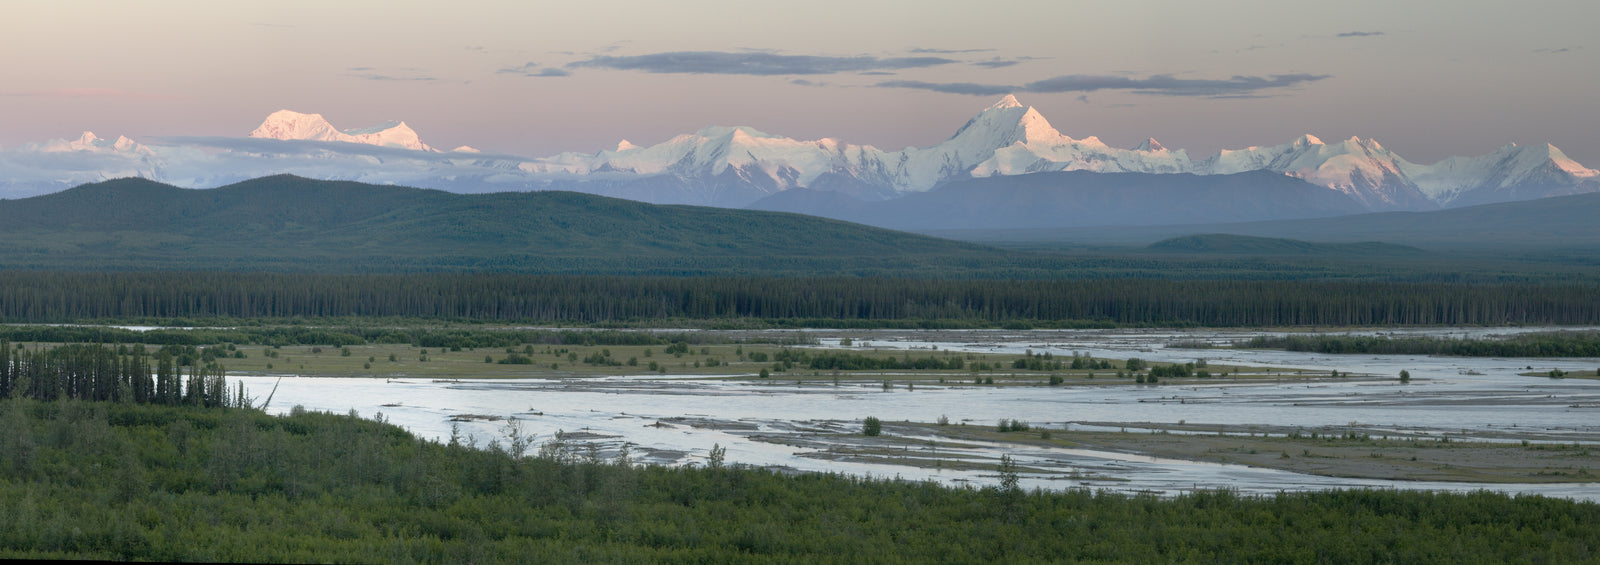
column 291, row 223
column 1250, row 245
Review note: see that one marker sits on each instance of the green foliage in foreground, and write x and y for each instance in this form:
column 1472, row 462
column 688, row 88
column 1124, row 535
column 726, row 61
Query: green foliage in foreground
column 185, row 483
column 1554, row 344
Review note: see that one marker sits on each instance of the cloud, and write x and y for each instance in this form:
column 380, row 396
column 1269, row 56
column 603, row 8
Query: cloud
column 753, row 63
column 1551, row 51
column 1168, row 85
column 968, row 88
column 996, row 63
column 1361, row 34
column 533, row 70
column 920, row 50
column 1155, row 85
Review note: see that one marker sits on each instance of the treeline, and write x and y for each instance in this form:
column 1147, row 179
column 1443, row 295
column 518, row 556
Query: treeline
column 114, row 481
column 100, row 373
column 41, row 297
column 1556, row 344
column 827, row 361
column 343, row 336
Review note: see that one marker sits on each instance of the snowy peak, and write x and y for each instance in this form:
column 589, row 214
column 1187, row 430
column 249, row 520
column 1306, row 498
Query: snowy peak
column 1512, row 172
column 87, row 142
column 1010, row 101
column 731, row 132
column 289, row 125
column 1148, row 145
column 389, row 134
column 1004, row 123
column 1362, row 169
column 721, row 165
column 1547, row 155
column 1009, row 138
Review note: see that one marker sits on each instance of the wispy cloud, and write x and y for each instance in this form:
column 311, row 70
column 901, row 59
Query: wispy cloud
column 753, row 63
column 1002, row 62
column 1554, row 50
column 1361, row 34
column 968, row 88
column 996, row 63
column 1258, row 47
column 921, row 50
column 533, row 70
column 368, row 75
column 1155, row 85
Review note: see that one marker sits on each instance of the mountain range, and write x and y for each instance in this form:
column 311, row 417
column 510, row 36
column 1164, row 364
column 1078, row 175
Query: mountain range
column 739, row 166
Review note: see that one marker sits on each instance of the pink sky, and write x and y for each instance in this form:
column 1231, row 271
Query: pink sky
column 1428, row 79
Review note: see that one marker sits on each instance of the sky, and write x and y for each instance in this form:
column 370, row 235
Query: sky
column 1427, row 79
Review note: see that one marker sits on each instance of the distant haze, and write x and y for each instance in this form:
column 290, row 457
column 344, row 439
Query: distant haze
column 1428, row 79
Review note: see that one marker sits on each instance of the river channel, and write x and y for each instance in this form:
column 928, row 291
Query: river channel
column 796, row 427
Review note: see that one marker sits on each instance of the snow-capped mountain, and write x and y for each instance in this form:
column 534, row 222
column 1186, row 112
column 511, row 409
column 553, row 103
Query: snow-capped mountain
column 1009, row 138
column 1362, row 169
column 735, row 166
column 294, row 126
column 87, row 142
column 1006, row 138
column 1512, row 172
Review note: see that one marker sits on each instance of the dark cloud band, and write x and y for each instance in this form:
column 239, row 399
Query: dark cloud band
column 754, row 63
column 1158, row 85
column 968, row 88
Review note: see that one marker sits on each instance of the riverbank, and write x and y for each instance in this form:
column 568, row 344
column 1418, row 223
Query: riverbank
column 1350, row 452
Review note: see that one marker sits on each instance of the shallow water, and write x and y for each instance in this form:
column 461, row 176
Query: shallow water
column 677, row 420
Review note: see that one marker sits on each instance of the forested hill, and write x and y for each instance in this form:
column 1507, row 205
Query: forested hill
column 291, row 223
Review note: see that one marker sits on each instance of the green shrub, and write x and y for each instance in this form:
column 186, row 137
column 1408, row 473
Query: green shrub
column 871, row 426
